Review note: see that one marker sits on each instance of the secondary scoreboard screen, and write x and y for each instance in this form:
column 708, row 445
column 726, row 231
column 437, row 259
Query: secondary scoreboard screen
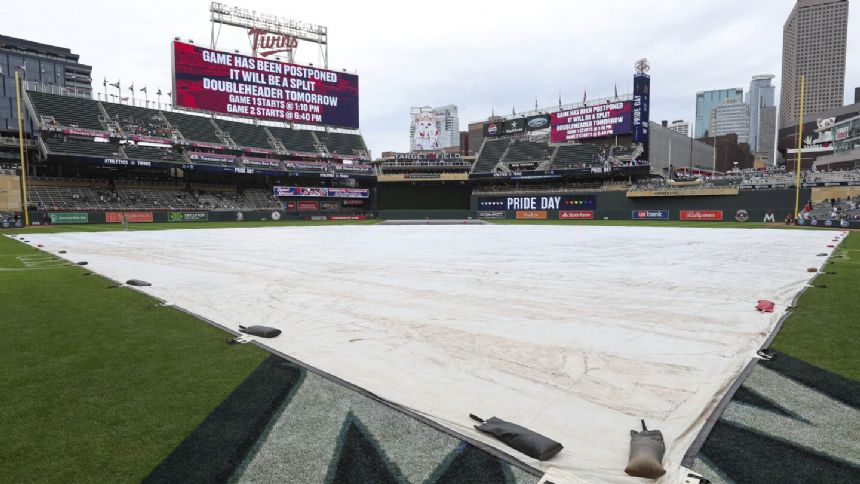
column 238, row 85
column 596, row 121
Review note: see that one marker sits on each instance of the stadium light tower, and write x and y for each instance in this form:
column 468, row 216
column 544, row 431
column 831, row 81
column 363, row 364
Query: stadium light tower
column 267, row 31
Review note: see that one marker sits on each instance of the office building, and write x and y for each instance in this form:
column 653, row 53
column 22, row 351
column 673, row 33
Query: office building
column 434, row 128
column 759, row 97
column 765, row 148
column 706, row 101
column 680, row 126
column 813, row 45
column 732, row 117
column 40, row 64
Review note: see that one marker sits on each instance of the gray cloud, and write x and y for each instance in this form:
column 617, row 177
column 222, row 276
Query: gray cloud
column 475, row 54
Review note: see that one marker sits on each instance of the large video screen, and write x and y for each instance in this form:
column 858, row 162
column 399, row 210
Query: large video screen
column 596, row 121
column 239, row 85
column 281, row 191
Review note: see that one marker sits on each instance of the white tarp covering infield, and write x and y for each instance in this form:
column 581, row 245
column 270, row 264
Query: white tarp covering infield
column 575, row 332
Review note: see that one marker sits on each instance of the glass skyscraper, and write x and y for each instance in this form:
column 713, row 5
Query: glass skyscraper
column 707, row 101
column 760, row 96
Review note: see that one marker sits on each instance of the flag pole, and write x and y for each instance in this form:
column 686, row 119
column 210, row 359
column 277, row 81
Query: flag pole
column 799, row 149
column 21, row 147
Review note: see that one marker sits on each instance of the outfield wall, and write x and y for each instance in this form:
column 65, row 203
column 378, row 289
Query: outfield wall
column 758, row 206
column 149, row 216
column 10, row 193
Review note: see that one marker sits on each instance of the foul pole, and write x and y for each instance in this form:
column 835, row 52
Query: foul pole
column 799, row 149
column 21, row 146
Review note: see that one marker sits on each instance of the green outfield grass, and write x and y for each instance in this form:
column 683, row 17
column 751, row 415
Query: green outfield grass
column 824, row 328
column 99, row 384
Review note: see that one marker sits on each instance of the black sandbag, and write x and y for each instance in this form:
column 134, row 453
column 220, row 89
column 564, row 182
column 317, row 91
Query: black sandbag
column 646, row 453
column 522, row 439
column 137, row 282
column 261, row 331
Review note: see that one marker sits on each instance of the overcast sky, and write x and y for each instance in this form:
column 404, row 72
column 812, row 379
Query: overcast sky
column 475, row 54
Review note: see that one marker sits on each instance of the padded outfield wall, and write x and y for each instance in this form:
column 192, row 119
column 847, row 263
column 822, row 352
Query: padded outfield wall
column 755, row 206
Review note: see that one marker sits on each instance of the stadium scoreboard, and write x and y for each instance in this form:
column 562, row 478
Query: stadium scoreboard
column 239, row 85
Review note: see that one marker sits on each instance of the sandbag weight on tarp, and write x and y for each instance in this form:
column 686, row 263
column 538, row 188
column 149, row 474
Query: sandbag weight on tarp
column 261, row 331
column 520, row 438
column 646, row 453
column 137, row 283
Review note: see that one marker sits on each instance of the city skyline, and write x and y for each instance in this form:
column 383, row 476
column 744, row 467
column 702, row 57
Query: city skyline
column 456, row 68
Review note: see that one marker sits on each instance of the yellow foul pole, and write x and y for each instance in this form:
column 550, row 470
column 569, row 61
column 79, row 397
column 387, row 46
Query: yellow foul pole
column 799, row 148
column 21, row 145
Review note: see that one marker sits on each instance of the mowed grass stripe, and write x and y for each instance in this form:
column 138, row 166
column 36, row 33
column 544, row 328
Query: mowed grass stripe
column 98, row 384
column 824, row 328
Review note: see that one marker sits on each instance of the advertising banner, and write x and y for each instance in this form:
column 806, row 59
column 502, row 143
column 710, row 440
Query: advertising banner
column 346, row 217
column 531, row 215
column 650, row 215
column 212, row 157
column 491, row 130
column 330, row 206
column 307, row 206
column 514, row 126
column 239, row 85
column 575, row 215
column 425, row 132
column 69, row 217
column 596, row 121
column 131, row 217
column 354, row 202
column 321, row 192
column 538, row 202
column 187, row 216
column 541, row 121
column 701, row 215
column 641, row 106
column 86, row 133
column 494, row 214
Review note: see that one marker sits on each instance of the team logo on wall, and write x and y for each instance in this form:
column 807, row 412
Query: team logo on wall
column 742, row 216
column 844, row 223
column 492, row 129
column 276, row 216
column 769, row 217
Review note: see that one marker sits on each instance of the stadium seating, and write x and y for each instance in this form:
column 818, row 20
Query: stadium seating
column 62, row 194
column 152, row 153
column 491, row 155
column 73, row 112
column 193, row 128
column 155, row 199
column 295, row 139
column 577, row 156
column 81, row 147
column 342, row 143
column 245, row 134
column 258, row 198
column 521, row 151
column 138, row 121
